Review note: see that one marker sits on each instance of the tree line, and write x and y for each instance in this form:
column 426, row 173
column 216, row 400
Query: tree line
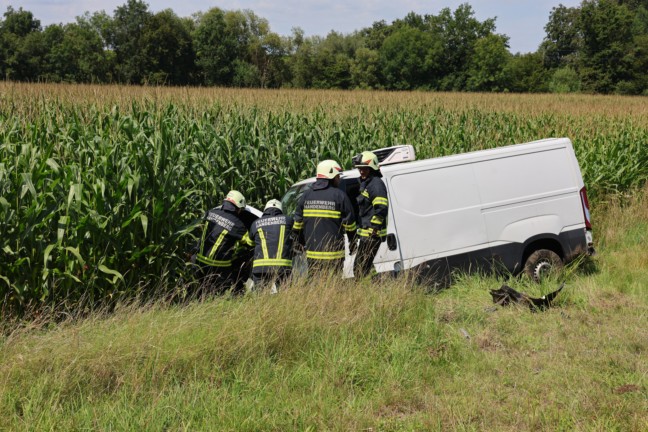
column 600, row 46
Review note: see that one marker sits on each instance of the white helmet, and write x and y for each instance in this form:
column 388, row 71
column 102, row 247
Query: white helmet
column 328, row 169
column 366, row 159
column 236, row 198
column 273, row 203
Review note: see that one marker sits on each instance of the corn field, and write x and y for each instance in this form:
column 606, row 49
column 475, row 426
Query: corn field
column 101, row 188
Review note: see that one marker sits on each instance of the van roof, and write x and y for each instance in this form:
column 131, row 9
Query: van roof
column 497, row 151
column 547, row 143
column 345, row 175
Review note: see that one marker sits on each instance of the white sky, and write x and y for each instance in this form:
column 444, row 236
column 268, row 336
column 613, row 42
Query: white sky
column 522, row 20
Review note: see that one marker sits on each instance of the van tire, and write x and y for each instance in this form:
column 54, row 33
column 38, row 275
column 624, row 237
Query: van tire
column 541, row 263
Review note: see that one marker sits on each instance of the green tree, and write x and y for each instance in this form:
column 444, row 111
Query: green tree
column 637, row 61
column 215, row 48
column 409, row 58
column 331, row 61
column 101, row 23
column 246, row 30
column 54, row 66
column 365, row 68
column 486, row 71
column 125, row 34
column 20, row 22
column 459, row 32
column 302, row 60
column 526, row 73
column 563, row 40
column 565, row 80
column 634, row 4
column 168, row 49
column 75, row 53
column 607, row 40
column 98, row 27
column 640, row 23
column 260, row 53
column 412, row 20
column 375, row 35
column 21, row 45
column 272, row 61
column 30, row 57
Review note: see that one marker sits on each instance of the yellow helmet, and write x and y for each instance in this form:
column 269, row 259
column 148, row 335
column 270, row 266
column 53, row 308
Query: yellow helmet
column 236, row 198
column 273, row 203
column 366, row 159
column 328, row 169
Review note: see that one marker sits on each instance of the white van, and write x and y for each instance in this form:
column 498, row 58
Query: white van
column 516, row 208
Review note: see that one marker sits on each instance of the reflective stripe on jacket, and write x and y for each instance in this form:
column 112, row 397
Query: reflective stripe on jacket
column 324, row 214
column 372, row 207
column 272, row 236
column 222, row 231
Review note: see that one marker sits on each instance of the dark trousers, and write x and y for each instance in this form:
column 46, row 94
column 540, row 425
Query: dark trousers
column 218, row 280
column 267, row 278
column 367, row 250
column 319, row 267
column 212, row 280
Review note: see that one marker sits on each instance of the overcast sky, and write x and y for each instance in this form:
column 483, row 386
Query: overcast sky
column 522, row 20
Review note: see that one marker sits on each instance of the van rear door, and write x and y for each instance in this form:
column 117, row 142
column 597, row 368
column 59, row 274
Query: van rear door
column 529, row 194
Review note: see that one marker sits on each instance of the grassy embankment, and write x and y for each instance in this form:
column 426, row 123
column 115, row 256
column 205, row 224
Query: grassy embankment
column 339, row 356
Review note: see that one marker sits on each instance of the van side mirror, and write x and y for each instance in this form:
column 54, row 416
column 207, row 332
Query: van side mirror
column 391, row 242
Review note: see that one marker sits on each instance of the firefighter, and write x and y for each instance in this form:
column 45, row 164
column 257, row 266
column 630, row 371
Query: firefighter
column 372, row 213
column 224, row 240
column 272, row 236
column 324, row 214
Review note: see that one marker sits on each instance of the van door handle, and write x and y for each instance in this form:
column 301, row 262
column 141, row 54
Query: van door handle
column 391, row 242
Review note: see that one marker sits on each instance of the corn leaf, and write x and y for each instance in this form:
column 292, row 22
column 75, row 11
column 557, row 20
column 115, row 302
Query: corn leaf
column 115, row 273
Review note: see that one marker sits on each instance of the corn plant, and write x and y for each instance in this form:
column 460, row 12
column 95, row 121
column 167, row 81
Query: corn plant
column 101, row 189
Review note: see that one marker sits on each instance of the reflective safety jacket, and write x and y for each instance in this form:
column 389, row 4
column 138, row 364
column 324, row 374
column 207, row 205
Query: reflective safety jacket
column 324, row 213
column 223, row 230
column 372, row 207
column 272, row 236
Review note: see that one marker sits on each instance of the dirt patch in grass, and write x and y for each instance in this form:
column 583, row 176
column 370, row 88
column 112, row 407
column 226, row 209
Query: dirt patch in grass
column 612, row 301
column 627, row 388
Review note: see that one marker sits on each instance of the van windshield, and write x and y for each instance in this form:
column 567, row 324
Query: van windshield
column 290, row 199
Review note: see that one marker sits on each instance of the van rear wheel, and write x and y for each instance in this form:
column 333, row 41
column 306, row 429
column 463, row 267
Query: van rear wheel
column 542, row 263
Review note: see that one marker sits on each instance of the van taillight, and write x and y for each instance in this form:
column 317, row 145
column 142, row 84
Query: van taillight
column 586, row 209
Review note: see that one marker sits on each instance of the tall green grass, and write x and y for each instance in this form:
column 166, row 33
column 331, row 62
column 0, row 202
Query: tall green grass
column 99, row 196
